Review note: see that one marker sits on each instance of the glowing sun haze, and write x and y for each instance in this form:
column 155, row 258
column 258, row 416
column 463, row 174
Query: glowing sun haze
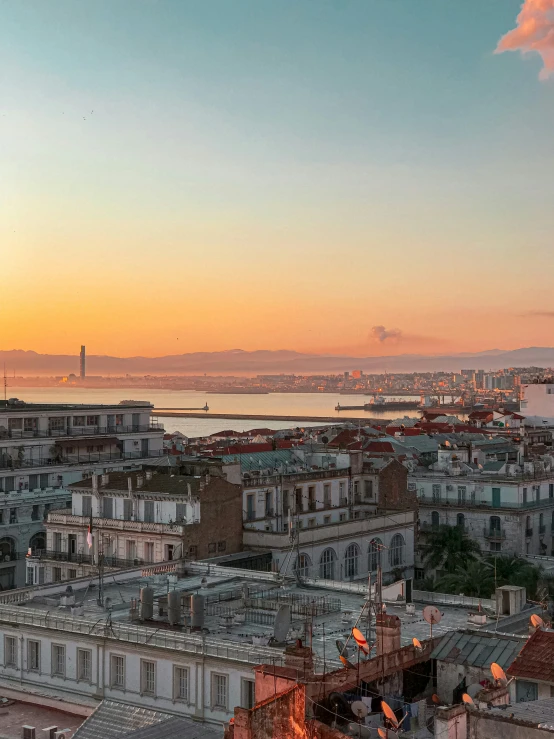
column 365, row 177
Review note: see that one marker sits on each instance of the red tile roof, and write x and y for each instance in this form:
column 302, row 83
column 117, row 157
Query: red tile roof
column 536, row 659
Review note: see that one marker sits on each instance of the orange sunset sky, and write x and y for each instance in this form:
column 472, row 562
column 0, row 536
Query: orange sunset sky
column 194, row 176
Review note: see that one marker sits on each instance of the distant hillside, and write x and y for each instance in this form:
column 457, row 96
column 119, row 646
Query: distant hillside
column 269, row 362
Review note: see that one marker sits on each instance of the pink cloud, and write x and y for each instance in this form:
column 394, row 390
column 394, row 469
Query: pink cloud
column 534, row 33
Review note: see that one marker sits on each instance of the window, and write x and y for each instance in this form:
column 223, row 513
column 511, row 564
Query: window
column 435, row 519
column 356, row 487
column 193, row 551
column 149, row 511
column 117, row 671
column 1, row 517
column 248, row 693
column 13, row 515
column 541, row 523
column 57, row 574
column 211, row 547
column 374, row 554
column 341, row 493
column 147, row 677
column 342, row 516
column 58, row 660
column 495, row 546
column 436, row 493
column 131, row 549
column 33, row 655
column 127, row 509
column 219, row 691
column 181, row 683
column 368, row 489
column 327, row 564
column 551, row 490
column 149, row 551
column 327, row 519
column 10, row 651
column 35, row 514
column 303, row 565
column 396, row 552
column 78, row 420
column 221, row 546
column 107, row 507
column 180, row 512
column 351, row 557
column 460, row 520
column 311, row 523
column 84, row 664
column 286, row 501
column 72, row 574
column 525, row 495
column 461, row 494
column 494, row 523
column 268, row 503
column 538, row 493
column 250, row 509
column 326, row 495
column 92, row 421
column 57, row 540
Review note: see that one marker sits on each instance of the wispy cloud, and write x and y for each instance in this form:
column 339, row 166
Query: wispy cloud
column 381, row 334
column 534, row 33
column 537, row 314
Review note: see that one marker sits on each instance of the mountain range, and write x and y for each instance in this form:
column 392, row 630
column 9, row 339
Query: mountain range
column 239, row 362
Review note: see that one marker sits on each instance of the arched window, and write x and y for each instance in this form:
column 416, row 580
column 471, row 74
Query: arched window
column 351, row 557
column 303, row 565
column 7, row 549
column 528, row 523
column 460, row 520
column 396, row 551
column 494, row 523
column 374, row 554
column 435, row 518
column 327, row 564
column 37, row 542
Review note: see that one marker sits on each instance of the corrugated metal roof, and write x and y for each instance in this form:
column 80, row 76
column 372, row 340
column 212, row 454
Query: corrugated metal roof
column 534, row 712
column 477, row 650
column 112, row 720
column 263, row 460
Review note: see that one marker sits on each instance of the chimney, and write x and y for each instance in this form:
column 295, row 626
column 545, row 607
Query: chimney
column 300, row 657
column 140, row 481
column 451, row 721
column 388, row 633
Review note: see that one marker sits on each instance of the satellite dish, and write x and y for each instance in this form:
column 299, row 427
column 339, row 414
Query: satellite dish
column 498, row 673
column 359, row 709
column 389, row 713
column 435, row 698
column 282, row 623
column 360, row 640
column 467, row 699
column 432, row 615
column 417, row 643
column 473, row 689
column 346, row 663
column 537, row 621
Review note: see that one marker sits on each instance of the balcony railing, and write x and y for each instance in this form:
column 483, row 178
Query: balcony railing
column 81, row 431
column 493, row 533
column 7, row 463
column 59, row 517
column 254, row 480
column 87, row 559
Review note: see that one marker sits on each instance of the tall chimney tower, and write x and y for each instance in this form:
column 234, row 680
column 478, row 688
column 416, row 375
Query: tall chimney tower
column 82, row 363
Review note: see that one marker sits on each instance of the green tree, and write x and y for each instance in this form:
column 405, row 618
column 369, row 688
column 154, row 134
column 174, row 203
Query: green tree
column 474, row 579
column 448, row 547
column 511, row 570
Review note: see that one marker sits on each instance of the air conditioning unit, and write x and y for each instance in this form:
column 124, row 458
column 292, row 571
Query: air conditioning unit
column 50, row 732
column 29, row 732
column 62, row 734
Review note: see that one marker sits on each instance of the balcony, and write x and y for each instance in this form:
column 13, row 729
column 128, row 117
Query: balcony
column 68, row 519
column 65, row 460
column 80, row 431
column 86, row 559
column 494, row 534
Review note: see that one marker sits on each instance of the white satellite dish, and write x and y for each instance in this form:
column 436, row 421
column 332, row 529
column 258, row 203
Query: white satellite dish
column 432, row 615
column 359, row 709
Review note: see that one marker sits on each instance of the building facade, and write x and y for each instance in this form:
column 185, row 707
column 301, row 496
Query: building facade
column 44, row 448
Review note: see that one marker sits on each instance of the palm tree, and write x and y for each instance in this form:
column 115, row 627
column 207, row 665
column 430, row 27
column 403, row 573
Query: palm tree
column 448, row 547
column 474, row 579
column 512, row 570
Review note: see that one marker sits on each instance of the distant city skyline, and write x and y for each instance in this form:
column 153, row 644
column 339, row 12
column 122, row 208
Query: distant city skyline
column 360, row 178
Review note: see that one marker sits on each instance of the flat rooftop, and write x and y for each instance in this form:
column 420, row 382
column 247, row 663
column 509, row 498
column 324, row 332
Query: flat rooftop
column 9, row 406
column 158, row 483
column 19, row 714
column 240, row 610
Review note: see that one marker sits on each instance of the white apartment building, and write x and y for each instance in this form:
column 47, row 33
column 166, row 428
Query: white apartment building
column 331, row 504
column 45, row 447
column 506, row 508
column 538, row 400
